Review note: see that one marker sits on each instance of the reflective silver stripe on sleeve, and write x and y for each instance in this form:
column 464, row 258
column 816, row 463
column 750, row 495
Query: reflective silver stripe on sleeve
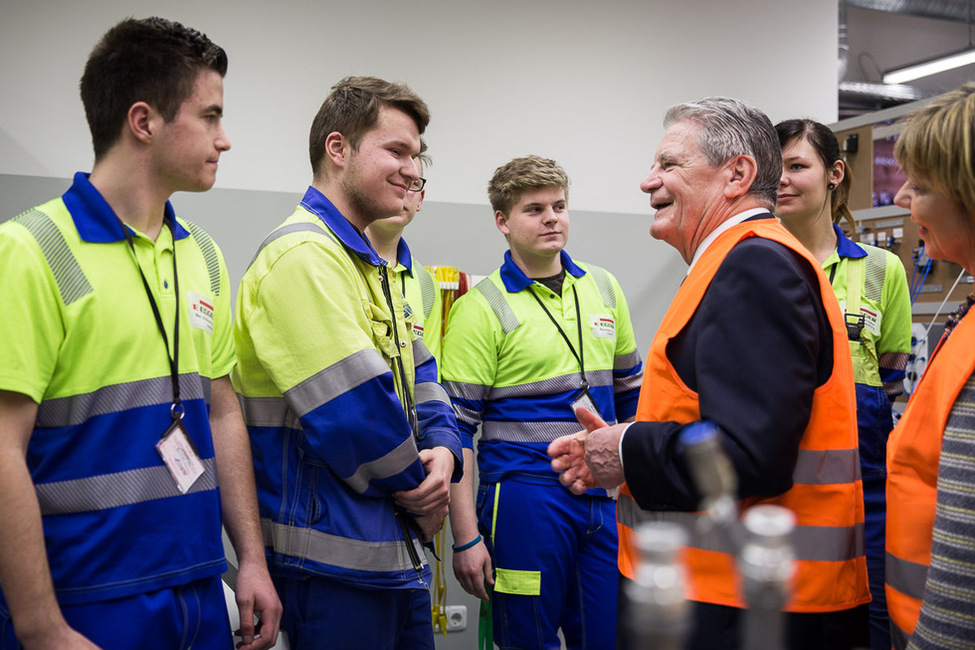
column 354, row 554
column 561, row 384
column 500, row 307
column 826, row 467
column 427, row 292
column 287, row 230
column 268, row 412
column 118, row 489
column 209, row 251
column 604, row 285
column 339, row 378
column 76, row 409
column 473, row 392
column 810, row 543
column 627, row 383
column 431, row 391
column 389, row 465
column 627, row 361
column 468, row 416
column 71, row 280
column 421, row 354
column 905, row 576
column 527, row 431
column 874, row 272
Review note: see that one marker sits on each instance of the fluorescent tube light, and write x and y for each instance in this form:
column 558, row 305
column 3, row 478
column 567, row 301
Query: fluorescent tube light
column 928, row 68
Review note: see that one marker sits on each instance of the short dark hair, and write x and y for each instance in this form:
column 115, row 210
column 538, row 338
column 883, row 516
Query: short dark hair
column 352, row 109
column 822, row 139
column 151, row 60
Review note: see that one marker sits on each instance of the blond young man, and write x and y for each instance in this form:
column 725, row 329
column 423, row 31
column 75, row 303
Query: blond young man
column 539, row 336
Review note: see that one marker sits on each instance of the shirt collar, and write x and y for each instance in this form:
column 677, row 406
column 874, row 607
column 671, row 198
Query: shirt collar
column 846, row 247
column 404, row 256
column 515, row 280
column 726, row 225
column 318, row 204
column 95, row 219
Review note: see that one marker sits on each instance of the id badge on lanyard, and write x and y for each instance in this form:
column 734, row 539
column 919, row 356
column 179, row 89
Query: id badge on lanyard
column 584, row 399
column 175, row 447
column 180, row 456
column 581, row 397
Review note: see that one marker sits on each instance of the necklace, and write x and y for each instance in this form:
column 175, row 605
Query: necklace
column 955, row 317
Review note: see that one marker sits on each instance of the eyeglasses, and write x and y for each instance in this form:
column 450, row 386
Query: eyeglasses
column 417, row 185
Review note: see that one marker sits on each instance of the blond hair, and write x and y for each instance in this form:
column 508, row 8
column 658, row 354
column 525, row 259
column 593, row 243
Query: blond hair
column 520, row 175
column 937, row 146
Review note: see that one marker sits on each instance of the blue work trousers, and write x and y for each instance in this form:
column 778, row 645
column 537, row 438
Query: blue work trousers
column 875, row 502
column 193, row 615
column 554, row 556
column 874, row 422
column 324, row 613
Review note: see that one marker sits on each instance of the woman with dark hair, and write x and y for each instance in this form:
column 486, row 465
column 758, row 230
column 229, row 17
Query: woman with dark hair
column 931, row 460
column 871, row 286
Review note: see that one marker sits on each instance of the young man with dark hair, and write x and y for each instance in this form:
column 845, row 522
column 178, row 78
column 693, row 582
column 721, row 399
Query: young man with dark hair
column 116, row 410
column 354, row 440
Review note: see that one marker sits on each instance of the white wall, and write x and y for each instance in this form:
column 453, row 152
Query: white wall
column 581, row 81
column 584, row 82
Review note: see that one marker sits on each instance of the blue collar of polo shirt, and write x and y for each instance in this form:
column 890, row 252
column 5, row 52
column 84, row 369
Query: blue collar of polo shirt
column 404, row 256
column 94, row 217
column 515, row 280
column 317, row 203
column 845, row 247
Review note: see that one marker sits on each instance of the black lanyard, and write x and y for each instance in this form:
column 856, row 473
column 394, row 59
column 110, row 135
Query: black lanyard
column 580, row 355
column 176, row 410
column 397, row 360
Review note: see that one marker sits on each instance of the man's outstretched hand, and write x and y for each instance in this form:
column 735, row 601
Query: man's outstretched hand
column 588, row 458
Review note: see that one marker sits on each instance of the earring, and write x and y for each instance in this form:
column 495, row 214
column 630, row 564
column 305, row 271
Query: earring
column 831, row 186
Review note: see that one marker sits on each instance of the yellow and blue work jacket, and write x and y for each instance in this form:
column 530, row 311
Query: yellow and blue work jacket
column 423, row 300
column 78, row 336
column 508, row 370
column 338, row 395
column 871, row 286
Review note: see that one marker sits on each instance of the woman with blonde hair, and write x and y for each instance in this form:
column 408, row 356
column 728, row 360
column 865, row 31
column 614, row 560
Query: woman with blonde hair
column 871, row 286
column 931, row 458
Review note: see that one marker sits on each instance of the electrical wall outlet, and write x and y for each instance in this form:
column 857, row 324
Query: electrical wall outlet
column 456, row 617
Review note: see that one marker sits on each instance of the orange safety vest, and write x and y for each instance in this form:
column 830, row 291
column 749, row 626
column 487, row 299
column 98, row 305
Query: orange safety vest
column 826, row 496
column 913, row 452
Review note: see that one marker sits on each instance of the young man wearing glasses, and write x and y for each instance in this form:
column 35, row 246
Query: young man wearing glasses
column 419, row 287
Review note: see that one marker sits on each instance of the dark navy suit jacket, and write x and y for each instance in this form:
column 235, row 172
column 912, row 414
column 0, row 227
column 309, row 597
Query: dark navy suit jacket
column 755, row 350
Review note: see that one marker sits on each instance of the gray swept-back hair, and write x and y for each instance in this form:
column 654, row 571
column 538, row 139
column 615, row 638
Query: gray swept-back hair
column 729, row 128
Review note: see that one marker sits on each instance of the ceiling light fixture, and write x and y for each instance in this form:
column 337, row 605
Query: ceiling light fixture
column 928, row 68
